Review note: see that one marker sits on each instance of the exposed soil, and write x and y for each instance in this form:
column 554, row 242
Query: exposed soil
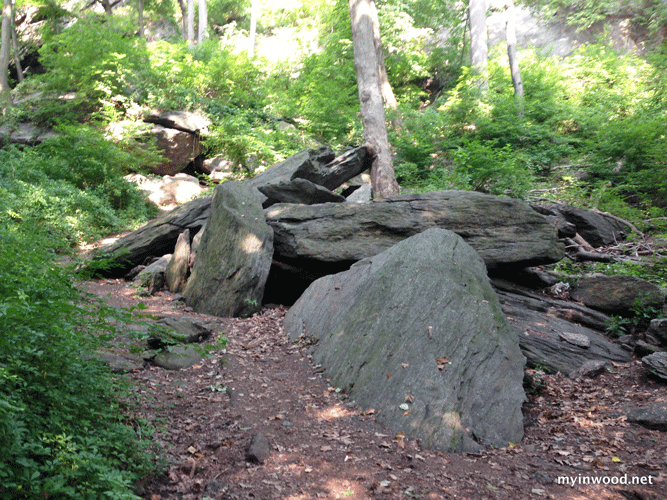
column 323, row 446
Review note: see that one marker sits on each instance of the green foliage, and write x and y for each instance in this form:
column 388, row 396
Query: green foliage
column 61, row 428
column 72, row 185
column 95, row 57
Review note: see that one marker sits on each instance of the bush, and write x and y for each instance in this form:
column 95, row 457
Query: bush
column 61, row 426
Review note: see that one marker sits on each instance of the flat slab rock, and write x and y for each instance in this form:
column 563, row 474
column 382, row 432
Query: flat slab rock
column 420, row 338
column 554, row 342
column 158, row 237
column 503, row 231
column 656, row 364
column 178, row 357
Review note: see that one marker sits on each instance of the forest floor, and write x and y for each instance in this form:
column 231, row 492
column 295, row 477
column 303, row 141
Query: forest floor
column 323, row 446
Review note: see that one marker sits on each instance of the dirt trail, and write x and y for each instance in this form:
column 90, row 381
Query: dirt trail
column 322, row 446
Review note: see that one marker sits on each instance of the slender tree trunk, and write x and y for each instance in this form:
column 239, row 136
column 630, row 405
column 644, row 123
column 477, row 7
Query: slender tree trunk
column 478, row 40
column 191, row 23
column 203, row 21
column 5, row 40
column 510, row 34
column 140, row 17
column 15, row 45
column 383, row 179
column 387, row 93
column 184, row 18
column 254, row 14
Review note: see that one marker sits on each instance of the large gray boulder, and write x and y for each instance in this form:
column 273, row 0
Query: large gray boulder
column 504, row 231
column 617, row 294
column 158, row 237
column 185, row 121
column 234, row 256
column 417, row 334
column 299, row 191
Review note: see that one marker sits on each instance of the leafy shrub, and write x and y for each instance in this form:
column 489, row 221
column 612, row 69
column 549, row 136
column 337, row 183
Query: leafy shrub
column 61, row 429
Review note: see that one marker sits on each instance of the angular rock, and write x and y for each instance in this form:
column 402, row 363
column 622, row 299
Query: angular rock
column 148, row 274
column 298, row 191
column 287, row 169
column 596, row 228
column 617, row 294
column 121, row 363
column 658, row 330
column 590, row 369
column 539, row 328
column 185, row 121
column 362, row 194
column 155, row 238
column 504, row 231
column 176, row 273
column 417, row 334
column 642, row 348
column 27, row 134
column 652, row 417
column 338, row 170
column 178, row 147
column 258, row 451
column 576, row 339
column 656, row 364
column 179, row 330
column 218, row 168
column 234, row 256
column 178, row 357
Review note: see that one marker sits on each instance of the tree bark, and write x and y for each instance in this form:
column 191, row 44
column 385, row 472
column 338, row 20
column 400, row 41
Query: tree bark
column 254, row 14
column 478, row 40
column 366, row 64
column 510, row 34
column 387, row 93
column 5, row 40
column 15, row 45
column 203, row 21
column 184, row 18
column 140, row 17
column 191, row 23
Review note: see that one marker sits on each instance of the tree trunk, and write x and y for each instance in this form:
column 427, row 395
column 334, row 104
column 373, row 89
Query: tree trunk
column 5, row 40
column 203, row 21
column 510, row 34
column 370, row 99
column 191, row 23
column 15, row 45
column 387, row 93
column 253, row 28
column 184, row 18
column 140, row 17
column 478, row 40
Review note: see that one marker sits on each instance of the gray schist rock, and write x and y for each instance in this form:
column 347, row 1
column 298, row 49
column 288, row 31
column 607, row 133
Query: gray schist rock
column 551, row 334
column 417, row 333
column 234, row 256
column 158, row 237
column 178, row 357
column 180, row 120
column 651, row 417
column 657, row 330
column 176, row 274
column 299, row 191
column 504, row 231
column 617, row 294
column 596, row 228
column 656, row 364
column 178, row 330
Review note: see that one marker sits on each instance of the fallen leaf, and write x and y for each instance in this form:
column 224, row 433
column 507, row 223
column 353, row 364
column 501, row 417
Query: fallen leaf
column 616, row 459
column 409, row 398
column 326, row 448
column 442, row 362
column 192, row 450
column 405, row 365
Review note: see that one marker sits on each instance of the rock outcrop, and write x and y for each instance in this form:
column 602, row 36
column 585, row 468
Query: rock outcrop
column 322, row 238
column 416, row 333
column 617, row 294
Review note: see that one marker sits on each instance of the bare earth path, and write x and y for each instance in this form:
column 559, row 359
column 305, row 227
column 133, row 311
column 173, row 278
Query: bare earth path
column 322, row 446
